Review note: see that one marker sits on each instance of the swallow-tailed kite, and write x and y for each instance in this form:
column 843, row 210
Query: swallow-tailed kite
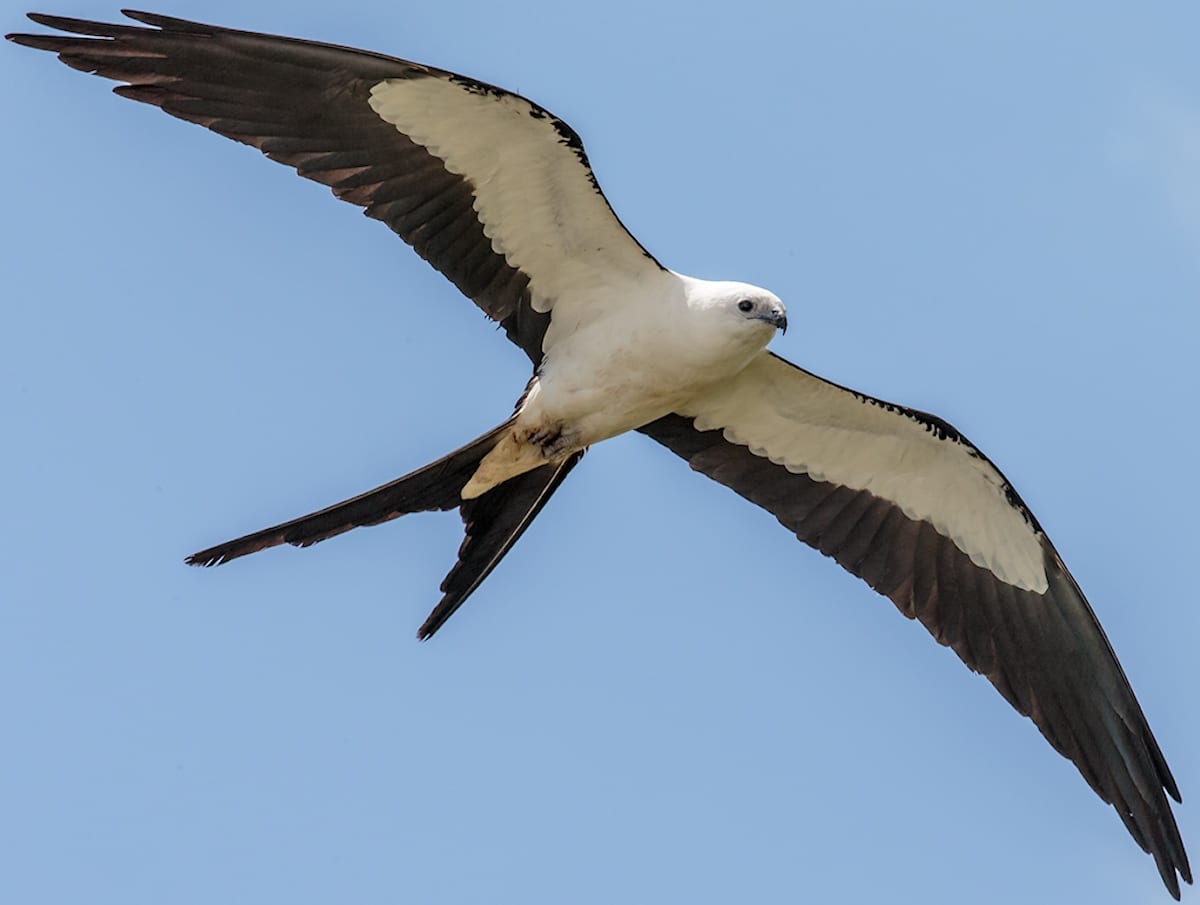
column 497, row 194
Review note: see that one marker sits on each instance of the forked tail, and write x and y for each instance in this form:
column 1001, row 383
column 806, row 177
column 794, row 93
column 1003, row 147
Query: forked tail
column 436, row 487
column 493, row 521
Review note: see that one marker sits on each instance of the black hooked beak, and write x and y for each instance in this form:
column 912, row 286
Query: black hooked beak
column 779, row 319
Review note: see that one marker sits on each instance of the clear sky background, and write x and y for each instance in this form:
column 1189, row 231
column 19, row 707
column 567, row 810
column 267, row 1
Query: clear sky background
column 660, row 696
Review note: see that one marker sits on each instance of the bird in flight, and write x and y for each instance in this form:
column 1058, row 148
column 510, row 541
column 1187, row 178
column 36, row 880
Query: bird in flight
column 498, row 195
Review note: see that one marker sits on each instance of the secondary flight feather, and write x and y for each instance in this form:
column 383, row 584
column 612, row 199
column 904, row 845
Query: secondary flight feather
column 498, row 195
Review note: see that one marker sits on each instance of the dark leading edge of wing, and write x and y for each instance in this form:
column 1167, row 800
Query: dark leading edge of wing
column 304, row 104
column 1046, row 653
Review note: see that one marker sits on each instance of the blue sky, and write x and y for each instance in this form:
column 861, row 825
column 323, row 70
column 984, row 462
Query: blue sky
column 660, row 696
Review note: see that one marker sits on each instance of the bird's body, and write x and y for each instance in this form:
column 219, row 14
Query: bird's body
column 613, row 367
column 498, row 195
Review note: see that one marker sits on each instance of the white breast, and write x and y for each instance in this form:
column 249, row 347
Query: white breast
column 614, row 364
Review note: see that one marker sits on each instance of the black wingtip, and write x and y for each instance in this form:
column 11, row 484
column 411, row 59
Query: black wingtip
column 75, row 26
column 37, row 42
column 228, row 551
column 436, row 619
column 204, row 559
column 1171, row 881
column 75, row 32
column 96, row 29
column 172, row 23
column 154, row 19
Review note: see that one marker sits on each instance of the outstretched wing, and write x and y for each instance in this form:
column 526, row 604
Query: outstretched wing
column 488, row 187
column 902, row 500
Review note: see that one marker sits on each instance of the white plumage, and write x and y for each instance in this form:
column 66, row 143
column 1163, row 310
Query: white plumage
column 813, row 427
column 497, row 194
column 532, row 188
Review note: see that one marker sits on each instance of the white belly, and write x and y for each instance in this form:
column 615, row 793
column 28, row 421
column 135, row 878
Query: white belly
column 602, row 382
column 613, row 368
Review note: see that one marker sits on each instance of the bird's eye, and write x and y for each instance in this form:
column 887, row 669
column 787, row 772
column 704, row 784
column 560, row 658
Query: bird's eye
column 745, row 305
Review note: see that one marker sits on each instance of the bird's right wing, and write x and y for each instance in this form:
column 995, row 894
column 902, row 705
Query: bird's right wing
column 491, row 189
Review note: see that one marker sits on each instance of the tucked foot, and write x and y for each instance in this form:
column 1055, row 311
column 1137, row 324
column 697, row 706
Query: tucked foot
column 521, row 449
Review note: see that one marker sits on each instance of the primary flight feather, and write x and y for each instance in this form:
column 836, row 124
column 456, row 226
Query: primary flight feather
column 497, row 194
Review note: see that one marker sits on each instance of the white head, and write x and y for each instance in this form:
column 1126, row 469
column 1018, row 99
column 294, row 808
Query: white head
column 748, row 312
column 728, row 323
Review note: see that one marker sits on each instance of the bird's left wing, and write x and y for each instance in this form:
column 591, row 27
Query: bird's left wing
column 491, row 189
column 902, row 500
